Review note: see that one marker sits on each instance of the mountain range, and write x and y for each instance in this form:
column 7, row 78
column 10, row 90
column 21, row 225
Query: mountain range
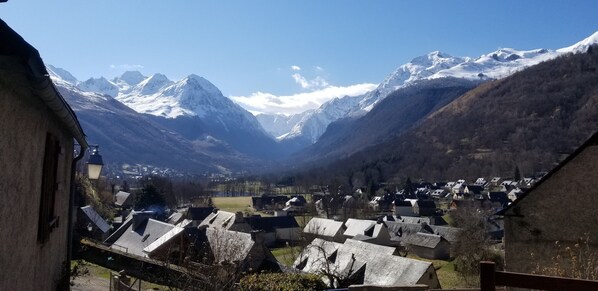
column 189, row 125
column 530, row 120
column 435, row 65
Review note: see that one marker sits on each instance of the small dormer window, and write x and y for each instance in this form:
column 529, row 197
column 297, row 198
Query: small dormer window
column 212, row 219
column 332, row 258
column 225, row 223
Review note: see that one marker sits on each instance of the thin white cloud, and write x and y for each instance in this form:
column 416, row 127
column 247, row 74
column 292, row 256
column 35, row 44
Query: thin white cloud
column 127, row 67
column 262, row 102
column 317, row 82
column 295, row 68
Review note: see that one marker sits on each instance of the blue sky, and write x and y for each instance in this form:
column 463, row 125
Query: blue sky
column 287, row 50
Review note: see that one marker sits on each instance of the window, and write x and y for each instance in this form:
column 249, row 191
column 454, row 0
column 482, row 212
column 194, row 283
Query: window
column 47, row 218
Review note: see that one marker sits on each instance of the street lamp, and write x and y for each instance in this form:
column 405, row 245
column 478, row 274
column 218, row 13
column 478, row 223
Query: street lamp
column 95, row 163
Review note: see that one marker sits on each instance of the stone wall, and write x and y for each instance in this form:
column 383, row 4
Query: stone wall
column 562, row 208
column 24, row 123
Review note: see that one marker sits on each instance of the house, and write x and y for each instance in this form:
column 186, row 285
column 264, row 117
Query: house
column 198, row 214
column 424, row 208
column 439, row 193
column 226, row 220
column 495, row 181
column 364, row 263
column 296, row 204
column 480, row 182
column 137, row 233
column 244, row 248
column 429, row 246
column 37, row 133
column 124, row 199
column 369, row 231
column 177, row 216
column 561, row 206
column 91, row 224
column 172, row 245
column 327, row 229
column 276, row 229
column 458, row 187
column 403, row 208
column 515, row 194
column 401, row 232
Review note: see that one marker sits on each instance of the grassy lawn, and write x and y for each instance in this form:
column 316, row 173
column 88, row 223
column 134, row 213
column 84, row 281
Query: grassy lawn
column 95, row 271
column 286, row 255
column 445, row 270
column 232, row 204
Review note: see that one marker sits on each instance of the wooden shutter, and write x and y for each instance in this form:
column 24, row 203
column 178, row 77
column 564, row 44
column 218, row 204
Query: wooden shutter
column 47, row 218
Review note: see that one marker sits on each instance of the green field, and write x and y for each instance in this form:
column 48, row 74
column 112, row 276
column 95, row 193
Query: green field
column 286, row 255
column 232, row 204
column 445, row 270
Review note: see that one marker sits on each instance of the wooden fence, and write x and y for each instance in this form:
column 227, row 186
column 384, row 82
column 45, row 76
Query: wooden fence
column 490, row 278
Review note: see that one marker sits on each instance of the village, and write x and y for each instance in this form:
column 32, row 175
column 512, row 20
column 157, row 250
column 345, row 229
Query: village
column 396, row 239
column 65, row 214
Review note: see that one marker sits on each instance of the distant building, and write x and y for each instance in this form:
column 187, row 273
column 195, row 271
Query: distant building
column 368, row 231
column 137, row 233
column 91, row 224
column 327, row 229
column 37, row 130
column 429, row 246
column 124, row 199
column 276, row 229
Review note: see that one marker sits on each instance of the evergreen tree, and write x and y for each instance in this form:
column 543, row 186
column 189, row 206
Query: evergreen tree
column 517, row 175
column 149, row 196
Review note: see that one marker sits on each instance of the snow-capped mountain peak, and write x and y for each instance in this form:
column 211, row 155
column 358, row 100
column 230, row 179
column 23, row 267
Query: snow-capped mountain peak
column 581, row 46
column 435, row 65
column 152, row 85
column 131, row 78
column 100, row 85
column 61, row 75
column 197, row 81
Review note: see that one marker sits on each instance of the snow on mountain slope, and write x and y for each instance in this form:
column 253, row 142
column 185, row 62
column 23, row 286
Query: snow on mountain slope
column 494, row 65
column 313, row 125
column 192, row 96
column 61, row 75
column 280, row 124
column 99, row 85
column 581, row 46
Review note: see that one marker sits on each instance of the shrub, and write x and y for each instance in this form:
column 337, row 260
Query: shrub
column 281, row 281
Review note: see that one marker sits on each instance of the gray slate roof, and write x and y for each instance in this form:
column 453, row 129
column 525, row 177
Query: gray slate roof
column 399, row 231
column 95, row 218
column 381, row 266
column 324, row 227
column 133, row 241
column 425, row 240
column 225, row 220
column 229, row 246
column 124, row 199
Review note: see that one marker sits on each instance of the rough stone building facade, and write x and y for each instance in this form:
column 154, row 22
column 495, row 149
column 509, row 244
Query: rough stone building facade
column 562, row 207
column 37, row 129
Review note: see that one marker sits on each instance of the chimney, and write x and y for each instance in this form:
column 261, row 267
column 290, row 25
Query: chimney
column 239, row 217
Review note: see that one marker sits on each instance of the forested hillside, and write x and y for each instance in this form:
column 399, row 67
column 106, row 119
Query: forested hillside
column 531, row 119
